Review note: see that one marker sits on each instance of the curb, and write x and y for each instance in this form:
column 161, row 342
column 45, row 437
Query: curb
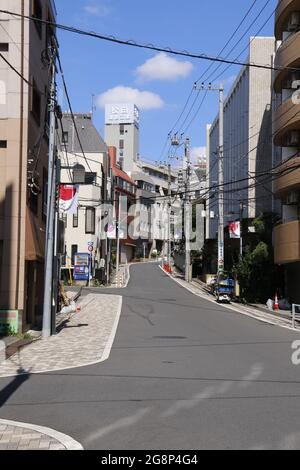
column 65, row 440
column 233, row 309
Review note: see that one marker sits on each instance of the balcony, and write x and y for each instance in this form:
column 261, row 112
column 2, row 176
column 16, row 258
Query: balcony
column 283, row 11
column 286, row 118
column 288, row 55
column 287, row 243
column 291, row 179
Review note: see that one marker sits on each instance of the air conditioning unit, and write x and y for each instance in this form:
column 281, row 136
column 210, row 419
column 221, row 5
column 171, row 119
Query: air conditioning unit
column 294, row 21
column 292, row 198
column 293, row 139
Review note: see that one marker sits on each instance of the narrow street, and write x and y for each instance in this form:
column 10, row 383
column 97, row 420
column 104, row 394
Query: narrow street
column 183, row 374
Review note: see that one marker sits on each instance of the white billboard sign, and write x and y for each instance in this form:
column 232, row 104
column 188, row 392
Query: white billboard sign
column 122, row 114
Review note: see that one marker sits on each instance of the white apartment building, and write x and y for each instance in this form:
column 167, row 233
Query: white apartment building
column 152, row 192
column 122, row 131
column 83, row 229
column 247, row 141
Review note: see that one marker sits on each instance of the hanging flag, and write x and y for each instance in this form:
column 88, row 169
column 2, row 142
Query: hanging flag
column 235, row 230
column 68, row 199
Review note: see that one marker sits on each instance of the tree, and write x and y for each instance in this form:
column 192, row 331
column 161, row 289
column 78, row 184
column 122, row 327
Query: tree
column 256, row 271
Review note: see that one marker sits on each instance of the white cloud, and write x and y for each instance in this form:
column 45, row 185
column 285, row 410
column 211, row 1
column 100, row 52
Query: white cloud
column 163, row 67
column 98, row 9
column 198, row 153
column 121, row 94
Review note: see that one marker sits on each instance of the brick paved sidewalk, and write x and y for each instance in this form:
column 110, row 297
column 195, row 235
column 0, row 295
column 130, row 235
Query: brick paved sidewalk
column 85, row 339
column 20, row 436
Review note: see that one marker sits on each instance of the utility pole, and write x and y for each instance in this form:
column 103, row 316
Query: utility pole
column 118, row 236
column 187, row 212
column 169, row 214
column 241, row 227
column 51, row 202
column 220, row 90
column 221, row 182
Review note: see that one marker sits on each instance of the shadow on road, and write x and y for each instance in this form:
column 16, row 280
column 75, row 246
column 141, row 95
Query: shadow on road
column 13, row 386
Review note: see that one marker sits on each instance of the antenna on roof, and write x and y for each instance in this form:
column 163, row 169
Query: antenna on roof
column 94, row 107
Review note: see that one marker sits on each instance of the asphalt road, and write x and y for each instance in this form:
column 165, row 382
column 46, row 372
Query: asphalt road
column 184, row 373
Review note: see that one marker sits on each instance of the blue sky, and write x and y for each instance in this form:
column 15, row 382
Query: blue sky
column 160, row 85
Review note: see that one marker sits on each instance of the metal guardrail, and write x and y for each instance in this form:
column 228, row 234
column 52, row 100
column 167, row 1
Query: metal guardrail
column 295, row 314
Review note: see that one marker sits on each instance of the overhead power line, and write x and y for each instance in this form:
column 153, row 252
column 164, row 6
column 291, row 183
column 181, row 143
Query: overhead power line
column 243, row 50
column 229, row 40
column 15, row 70
column 148, row 46
column 71, row 111
column 219, row 55
column 245, row 34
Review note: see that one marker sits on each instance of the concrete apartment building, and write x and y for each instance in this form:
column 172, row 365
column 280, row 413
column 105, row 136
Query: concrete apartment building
column 151, row 194
column 286, row 130
column 247, row 140
column 122, row 132
column 122, row 186
column 23, row 159
column 83, row 228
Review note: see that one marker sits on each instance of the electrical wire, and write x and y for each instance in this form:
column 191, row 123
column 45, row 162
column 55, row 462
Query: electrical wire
column 148, row 46
column 245, row 48
column 204, row 73
column 229, row 40
column 71, row 110
column 15, row 70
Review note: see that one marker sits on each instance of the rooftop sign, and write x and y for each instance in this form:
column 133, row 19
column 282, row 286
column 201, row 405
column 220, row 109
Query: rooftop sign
column 122, row 114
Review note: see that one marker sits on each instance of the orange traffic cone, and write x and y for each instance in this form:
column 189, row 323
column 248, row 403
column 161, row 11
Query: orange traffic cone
column 276, row 303
column 78, row 309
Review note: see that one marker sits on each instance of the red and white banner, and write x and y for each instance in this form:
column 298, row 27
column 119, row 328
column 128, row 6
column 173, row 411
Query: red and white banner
column 68, row 199
column 235, row 230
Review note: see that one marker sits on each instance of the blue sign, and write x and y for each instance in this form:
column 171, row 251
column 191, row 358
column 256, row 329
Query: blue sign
column 82, row 267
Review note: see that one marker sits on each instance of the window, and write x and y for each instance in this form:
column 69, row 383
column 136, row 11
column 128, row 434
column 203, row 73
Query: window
column 90, row 214
column 75, row 219
column 37, row 12
column 90, row 178
column 36, row 103
column 121, row 145
column 65, row 137
column 4, row 47
column 122, row 128
column 33, row 201
column 3, row 144
column 74, row 250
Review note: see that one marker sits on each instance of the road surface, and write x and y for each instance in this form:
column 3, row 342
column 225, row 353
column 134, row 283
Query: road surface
column 184, row 373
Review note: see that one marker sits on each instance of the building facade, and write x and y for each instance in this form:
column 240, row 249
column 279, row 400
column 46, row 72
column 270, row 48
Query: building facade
column 123, row 189
column 286, row 131
column 152, row 196
column 247, row 141
column 122, row 132
column 23, row 158
column 83, row 229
